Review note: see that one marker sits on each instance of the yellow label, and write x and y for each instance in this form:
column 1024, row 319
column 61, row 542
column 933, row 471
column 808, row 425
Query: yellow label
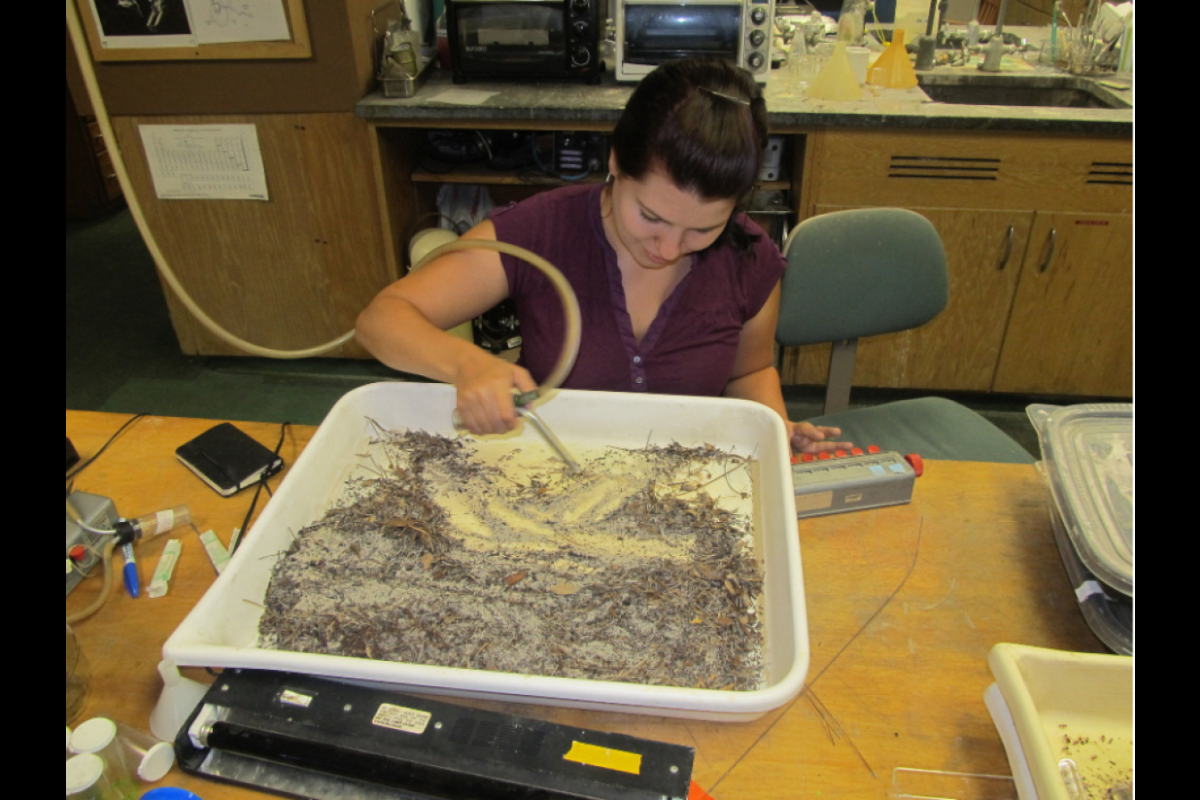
column 602, row 757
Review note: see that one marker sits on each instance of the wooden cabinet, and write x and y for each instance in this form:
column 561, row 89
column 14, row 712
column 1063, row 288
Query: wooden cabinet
column 1040, row 277
column 1071, row 328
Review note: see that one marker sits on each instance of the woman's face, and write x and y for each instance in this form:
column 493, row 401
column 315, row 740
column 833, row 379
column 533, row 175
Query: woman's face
column 658, row 223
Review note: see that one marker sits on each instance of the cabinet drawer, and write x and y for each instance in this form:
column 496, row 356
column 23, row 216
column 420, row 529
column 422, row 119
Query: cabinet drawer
column 971, row 170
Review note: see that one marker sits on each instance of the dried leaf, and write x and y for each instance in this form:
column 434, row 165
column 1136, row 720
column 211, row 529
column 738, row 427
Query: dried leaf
column 565, row 588
column 697, row 621
column 514, row 579
column 709, row 573
column 427, row 561
column 724, row 622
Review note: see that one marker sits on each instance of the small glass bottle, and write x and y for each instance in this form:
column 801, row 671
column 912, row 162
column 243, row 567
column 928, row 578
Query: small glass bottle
column 148, row 526
column 852, row 21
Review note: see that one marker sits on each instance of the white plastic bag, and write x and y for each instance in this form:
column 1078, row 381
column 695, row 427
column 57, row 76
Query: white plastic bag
column 464, row 203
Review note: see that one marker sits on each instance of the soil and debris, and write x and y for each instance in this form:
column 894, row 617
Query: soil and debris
column 1098, row 767
column 641, row 569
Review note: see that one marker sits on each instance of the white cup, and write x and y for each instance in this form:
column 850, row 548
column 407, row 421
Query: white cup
column 859, row 56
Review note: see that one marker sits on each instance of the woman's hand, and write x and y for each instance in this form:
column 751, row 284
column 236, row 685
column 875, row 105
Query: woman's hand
column 485, row 393
column 809, row 438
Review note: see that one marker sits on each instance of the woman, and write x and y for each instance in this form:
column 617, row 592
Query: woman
column 678, row 292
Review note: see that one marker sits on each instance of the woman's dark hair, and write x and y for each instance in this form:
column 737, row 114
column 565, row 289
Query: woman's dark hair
column 702, row 121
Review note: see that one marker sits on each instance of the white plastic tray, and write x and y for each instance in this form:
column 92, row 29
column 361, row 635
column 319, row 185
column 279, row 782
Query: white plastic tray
column 222, row 630
column 1065, row 706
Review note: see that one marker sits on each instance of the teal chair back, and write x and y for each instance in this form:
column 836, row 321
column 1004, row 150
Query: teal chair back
column 865, row 272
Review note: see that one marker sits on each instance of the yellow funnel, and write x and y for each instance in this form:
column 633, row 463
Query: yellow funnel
column 836, row 81
column 893, row 70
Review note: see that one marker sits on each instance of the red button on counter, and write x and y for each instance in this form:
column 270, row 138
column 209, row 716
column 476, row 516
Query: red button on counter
column 77, row 553
column 856, row 451
column 807, row 457
column 824, row 456
column 872, row 449
column 839, row 453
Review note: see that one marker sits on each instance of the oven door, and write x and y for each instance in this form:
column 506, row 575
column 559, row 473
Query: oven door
column 655, row 33
column 508, row 37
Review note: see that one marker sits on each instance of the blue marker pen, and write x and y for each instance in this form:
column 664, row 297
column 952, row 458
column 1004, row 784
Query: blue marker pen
column 131, row 573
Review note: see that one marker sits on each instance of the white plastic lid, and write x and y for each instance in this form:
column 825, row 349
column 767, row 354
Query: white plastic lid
column 83, row 772
column 1089, row 456
column 156, row 763
column 93, row 735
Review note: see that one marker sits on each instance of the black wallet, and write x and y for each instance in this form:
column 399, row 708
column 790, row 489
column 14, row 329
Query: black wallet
column 227, row 459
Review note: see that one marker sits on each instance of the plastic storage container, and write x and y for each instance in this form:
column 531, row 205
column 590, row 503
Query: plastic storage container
column 222, row 630
column 1088, row 455
column 1108, row 613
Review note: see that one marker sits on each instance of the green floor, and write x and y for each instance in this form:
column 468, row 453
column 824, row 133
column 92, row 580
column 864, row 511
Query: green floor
column 122, row 355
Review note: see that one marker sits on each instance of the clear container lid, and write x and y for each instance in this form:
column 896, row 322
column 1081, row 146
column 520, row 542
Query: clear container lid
column 1088, row 453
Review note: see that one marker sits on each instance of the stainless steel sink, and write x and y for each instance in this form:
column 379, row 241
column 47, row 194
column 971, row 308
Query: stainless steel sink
column 1057, row 91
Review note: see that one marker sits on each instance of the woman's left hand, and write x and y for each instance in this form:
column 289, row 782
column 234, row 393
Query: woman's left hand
column 809, row 438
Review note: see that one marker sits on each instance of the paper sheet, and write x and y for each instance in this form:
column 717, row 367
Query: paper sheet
column 239, row 21
column 464, row 97
column 126, row 24
column 209, row 162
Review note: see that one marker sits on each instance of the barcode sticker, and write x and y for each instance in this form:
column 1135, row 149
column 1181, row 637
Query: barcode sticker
column 398, row 718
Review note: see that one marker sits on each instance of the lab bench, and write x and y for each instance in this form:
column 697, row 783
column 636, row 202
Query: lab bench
column 904, row 604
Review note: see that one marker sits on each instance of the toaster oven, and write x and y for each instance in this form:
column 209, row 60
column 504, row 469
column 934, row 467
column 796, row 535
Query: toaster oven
column 526, row 39
column 650, row 32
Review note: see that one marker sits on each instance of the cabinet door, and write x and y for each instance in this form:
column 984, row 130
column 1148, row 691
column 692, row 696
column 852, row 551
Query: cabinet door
column 1071, row 330
column 960, row 348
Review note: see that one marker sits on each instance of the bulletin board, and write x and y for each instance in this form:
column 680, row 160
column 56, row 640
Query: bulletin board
column 195, row 30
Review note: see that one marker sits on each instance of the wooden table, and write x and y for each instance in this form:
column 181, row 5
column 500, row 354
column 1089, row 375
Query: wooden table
column 904, row 604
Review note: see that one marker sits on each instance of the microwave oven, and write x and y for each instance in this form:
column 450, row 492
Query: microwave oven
column 650, row 32
column 526, row 39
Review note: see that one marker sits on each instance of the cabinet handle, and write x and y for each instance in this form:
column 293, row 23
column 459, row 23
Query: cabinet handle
column 1049, row 253
column 1008, row 248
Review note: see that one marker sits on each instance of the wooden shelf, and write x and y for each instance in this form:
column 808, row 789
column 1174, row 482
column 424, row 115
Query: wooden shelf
column 472, row 173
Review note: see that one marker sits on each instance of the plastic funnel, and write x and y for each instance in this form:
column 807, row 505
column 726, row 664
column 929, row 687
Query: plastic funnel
column 893, row 70
column 836, row 81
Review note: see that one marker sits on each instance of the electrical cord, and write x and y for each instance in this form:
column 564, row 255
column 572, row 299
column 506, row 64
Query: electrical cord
column 258, row 491
column 71, row 475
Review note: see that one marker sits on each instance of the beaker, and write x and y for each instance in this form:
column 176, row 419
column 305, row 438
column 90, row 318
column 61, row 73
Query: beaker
column 79, row 677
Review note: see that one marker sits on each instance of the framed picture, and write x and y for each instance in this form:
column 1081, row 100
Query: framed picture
column 167, row 30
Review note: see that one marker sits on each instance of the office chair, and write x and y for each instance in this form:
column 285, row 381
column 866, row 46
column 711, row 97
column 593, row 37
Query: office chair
column 864, row 272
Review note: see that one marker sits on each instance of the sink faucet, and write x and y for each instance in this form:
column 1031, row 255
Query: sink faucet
column 995, row 48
